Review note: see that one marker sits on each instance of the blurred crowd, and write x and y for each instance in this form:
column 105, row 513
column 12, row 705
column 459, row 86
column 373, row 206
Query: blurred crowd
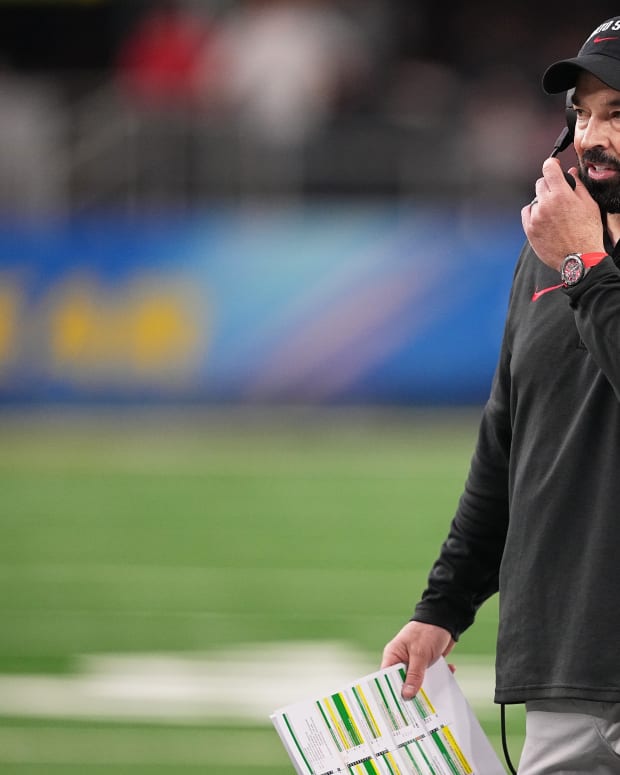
column 457, row 87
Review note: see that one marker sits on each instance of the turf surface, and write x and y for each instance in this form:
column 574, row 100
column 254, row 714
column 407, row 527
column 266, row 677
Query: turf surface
column 186, row 532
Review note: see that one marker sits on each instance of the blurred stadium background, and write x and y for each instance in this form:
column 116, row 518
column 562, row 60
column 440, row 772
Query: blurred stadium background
column 254, row 262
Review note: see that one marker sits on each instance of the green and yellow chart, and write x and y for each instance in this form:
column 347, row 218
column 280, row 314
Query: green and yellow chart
column 366, row 728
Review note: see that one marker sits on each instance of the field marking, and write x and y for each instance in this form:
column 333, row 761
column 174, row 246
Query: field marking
column 244, row 684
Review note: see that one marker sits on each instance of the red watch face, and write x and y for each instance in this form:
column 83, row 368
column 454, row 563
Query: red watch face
column 572, row 271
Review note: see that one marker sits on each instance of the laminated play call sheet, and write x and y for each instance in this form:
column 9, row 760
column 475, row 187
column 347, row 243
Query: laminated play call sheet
column 366, row 728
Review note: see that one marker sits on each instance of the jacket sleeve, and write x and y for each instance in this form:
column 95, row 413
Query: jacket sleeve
column 467, row 570
column 596, row 304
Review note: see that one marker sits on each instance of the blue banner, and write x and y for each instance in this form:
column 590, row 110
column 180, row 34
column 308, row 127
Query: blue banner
column 317, row 304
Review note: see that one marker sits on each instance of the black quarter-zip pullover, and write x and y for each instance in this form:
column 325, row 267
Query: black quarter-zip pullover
column 539, row 518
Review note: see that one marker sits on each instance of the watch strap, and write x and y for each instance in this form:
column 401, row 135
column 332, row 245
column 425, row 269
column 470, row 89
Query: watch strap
column 591, row 259
column 587, row 260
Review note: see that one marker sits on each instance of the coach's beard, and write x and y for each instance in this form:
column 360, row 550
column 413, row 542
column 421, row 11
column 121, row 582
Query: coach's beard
column 606, row 193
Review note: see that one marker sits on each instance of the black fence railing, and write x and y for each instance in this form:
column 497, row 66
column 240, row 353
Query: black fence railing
column 64, row 150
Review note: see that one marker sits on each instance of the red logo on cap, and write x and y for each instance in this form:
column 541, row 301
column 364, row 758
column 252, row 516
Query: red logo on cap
column 600, row 40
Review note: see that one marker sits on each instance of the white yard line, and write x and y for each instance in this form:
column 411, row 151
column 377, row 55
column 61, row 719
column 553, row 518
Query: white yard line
column 237, row 685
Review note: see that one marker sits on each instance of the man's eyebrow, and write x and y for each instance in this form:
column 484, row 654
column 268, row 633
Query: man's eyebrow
column 613, row 103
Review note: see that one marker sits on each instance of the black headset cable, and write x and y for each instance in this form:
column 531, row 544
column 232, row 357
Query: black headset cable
column 504, row 741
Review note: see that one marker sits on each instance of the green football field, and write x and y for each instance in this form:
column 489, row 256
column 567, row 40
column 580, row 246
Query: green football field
column 168, row 575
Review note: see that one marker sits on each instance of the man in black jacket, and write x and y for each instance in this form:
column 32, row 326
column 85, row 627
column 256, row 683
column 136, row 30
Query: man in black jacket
column 539, row 519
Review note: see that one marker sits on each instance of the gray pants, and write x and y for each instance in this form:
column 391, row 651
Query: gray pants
column 571, row 737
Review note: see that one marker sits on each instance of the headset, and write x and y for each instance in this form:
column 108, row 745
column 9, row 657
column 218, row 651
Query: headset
column 567, row 135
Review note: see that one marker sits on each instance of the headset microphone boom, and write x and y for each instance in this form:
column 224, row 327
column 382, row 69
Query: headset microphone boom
column 566, row 136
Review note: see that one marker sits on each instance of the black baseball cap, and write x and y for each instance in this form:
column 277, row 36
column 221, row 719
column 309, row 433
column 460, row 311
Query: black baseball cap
column 599, row 55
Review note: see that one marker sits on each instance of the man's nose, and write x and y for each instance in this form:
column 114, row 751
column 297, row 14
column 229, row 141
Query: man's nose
column 596, row 134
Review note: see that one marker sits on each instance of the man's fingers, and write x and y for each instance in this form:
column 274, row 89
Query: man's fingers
column 393, row 653
column 448, row 648
column 553, row 174
column 418, row 645
column 413, row 680
column 555, row 179
column 541, row 187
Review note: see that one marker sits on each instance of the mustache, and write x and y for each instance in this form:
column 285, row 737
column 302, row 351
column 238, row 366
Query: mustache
column 595, row 156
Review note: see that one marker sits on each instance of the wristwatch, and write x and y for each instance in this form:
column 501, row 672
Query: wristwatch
column 574, row 267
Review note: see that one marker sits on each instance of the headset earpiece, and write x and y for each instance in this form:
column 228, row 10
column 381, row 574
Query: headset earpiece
column 571, row 116
column 566, row 136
